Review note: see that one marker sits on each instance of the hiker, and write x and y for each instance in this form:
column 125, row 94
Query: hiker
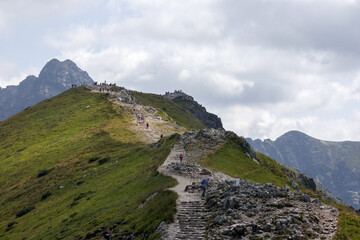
column 106, row 234
column 181, row 158
column 205, row 185
column 147, row 125
column 255, row 228
column 161, row 136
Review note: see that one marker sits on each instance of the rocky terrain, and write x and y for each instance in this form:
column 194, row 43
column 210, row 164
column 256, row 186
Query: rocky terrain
column 54, row 78
column 264, row 211
column 333, row 164
column 245, row 211
column 210, row 120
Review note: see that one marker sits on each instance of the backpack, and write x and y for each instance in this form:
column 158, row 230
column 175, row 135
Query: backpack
column 203, row 181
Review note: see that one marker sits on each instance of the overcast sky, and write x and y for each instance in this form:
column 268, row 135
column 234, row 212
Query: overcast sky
column 264, row 66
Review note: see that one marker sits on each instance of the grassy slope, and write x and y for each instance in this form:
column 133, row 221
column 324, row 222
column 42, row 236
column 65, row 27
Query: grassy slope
column 348, row 223
column 61, row 134
column 231, row 160
column 179, row 115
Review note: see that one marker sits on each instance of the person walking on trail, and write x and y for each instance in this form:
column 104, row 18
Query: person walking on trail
column 181, row 158
column 106, row 234
column 147, row 125
column 205, row 185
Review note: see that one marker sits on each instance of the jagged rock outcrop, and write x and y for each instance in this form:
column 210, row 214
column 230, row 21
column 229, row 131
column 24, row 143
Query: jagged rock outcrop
column 199, row 142
column 333, row 164
column 187, row 102
column 264, row 211
column 54, row 78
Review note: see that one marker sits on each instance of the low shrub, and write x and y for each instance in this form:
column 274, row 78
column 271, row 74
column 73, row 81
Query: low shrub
column 24, row 211
column 104, row 160
column 93, row 159
column 44, row 172
column 45, row 195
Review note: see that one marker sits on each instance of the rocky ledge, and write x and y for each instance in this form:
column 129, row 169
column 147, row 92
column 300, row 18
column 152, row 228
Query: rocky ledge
column 264, row 211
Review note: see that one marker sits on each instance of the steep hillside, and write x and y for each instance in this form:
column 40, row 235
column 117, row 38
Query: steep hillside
column 53, row 79
column 333, row 164
column 188, row 103
column 170, row 110
column 71, row 165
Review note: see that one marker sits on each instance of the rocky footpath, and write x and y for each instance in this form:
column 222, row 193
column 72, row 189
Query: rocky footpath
column 264, row 211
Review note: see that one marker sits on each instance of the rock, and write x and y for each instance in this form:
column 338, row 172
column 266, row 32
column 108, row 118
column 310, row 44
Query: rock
column 306, row 198
column 295, row 185
column 286, row 188
column 240, row 230
column 308, row 182
column 266, row 227
column 281, row 214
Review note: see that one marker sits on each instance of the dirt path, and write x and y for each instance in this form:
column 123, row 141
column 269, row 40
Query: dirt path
column 143, row 115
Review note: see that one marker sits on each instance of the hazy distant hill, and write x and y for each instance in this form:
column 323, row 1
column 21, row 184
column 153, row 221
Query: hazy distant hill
column 334, row 164
column 53, row 79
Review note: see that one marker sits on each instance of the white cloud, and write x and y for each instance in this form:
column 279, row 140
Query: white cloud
column 184, row 74
column 227, row 84
column 269, row 66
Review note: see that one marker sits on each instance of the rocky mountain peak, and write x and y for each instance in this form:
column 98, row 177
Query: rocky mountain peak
column 54, row 78
column 65, row 72
column 178, row 94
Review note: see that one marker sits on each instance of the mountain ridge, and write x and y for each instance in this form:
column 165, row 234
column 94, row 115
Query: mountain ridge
column 333, row 164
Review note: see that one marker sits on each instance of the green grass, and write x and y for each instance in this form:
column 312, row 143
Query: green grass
column 348, row 226
column 348, row 222
column 232, row 160
column 178, row 114
column 71, row 165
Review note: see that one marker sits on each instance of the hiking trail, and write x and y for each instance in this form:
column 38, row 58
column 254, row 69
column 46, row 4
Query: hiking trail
column 143, row 115
column 190, row 219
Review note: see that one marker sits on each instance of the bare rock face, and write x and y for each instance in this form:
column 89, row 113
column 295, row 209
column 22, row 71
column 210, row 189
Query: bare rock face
column 187, row 102
column 53, row 79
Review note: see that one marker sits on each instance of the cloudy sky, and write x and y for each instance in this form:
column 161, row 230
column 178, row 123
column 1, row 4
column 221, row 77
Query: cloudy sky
column 264, row 66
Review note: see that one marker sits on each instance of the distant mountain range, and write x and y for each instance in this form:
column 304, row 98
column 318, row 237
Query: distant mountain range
column 334, row 164
column 53, row 79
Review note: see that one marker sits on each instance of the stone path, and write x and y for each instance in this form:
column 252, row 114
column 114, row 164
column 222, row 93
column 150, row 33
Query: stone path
column 190, row 222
